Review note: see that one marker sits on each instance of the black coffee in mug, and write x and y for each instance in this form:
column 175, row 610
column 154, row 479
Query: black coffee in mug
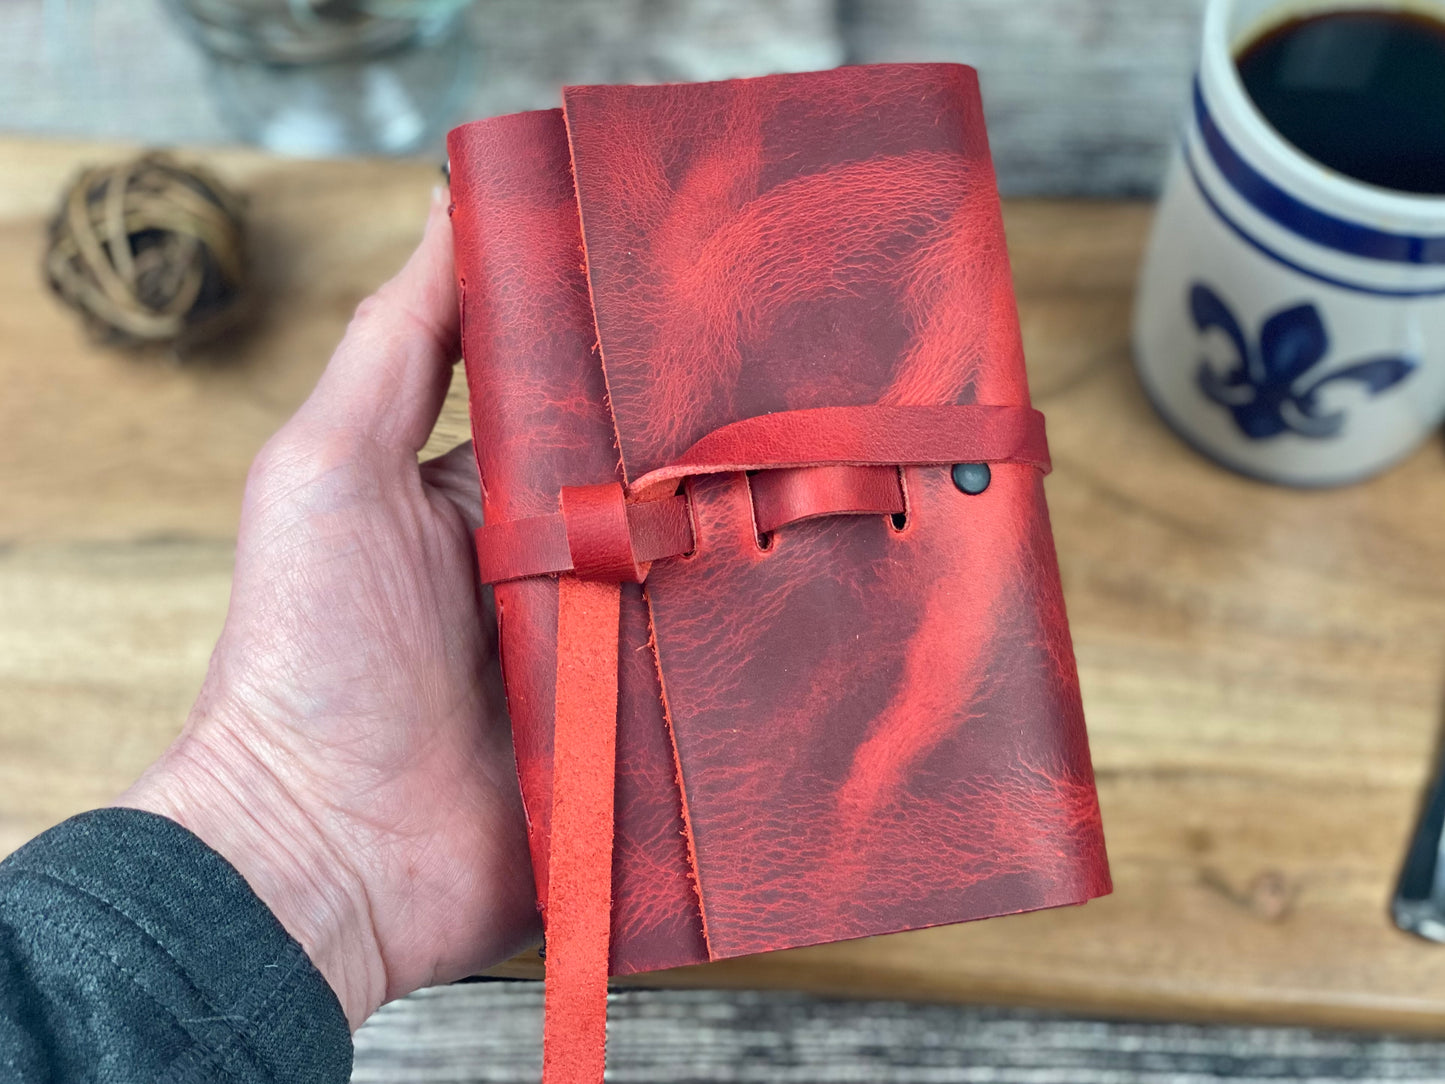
column 1360, row 91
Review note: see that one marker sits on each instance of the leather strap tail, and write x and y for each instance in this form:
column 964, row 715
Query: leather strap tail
column 579, row 883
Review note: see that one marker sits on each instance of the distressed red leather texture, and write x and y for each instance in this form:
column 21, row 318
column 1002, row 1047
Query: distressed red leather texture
column 829, row 725
column 540, row 420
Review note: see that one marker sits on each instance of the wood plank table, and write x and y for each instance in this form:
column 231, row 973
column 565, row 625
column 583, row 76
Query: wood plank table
column 1262, row 669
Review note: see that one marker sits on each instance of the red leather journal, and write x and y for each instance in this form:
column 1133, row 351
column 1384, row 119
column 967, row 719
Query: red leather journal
column 763, row 497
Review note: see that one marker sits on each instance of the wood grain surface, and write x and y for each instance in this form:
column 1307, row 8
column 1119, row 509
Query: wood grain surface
column 1262, row 669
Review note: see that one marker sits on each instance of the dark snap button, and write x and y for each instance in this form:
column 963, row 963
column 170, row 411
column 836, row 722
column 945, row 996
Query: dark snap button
column 971, row 478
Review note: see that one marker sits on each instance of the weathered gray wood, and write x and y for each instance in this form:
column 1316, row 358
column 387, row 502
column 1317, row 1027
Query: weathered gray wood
column 527, row 49
column 1083, row 96
column 125, row 70
column 492, row 1032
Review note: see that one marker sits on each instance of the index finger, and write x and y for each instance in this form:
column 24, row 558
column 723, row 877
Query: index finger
column 389, row 375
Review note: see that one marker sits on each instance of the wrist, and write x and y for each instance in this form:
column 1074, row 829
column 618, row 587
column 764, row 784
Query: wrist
column 214, row 784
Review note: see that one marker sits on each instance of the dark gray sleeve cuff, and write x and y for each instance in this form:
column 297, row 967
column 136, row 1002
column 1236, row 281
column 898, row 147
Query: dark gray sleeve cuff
column 130, row 950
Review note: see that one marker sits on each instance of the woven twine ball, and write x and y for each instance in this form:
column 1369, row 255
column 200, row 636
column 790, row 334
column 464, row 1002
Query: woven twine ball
column 150, row 252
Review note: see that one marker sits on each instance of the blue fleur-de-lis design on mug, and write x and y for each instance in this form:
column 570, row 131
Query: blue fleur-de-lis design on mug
column 1265, row 389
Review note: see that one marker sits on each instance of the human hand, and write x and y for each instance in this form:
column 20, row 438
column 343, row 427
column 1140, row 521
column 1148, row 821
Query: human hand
column 349, row 751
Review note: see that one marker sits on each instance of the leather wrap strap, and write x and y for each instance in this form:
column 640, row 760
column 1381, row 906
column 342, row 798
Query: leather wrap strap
column 876, row 435
column 544, row 545
column 579, row 877
column 781, row 497
column 825, row 461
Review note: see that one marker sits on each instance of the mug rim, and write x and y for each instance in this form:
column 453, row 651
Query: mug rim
column 1236, row 113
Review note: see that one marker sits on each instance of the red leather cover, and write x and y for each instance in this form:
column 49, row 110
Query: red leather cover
column 860, row 728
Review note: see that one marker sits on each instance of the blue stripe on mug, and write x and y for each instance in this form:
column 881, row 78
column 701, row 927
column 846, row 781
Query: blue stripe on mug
column 1255, row 243
column 1306, row 221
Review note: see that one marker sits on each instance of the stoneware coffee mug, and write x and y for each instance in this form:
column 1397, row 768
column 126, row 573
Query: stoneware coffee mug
column 1290, row 321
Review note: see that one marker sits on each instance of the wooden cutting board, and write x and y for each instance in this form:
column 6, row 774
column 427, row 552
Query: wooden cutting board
column 1262, row 669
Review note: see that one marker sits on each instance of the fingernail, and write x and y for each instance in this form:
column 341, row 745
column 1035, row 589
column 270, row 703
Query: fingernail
column 439, row 195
